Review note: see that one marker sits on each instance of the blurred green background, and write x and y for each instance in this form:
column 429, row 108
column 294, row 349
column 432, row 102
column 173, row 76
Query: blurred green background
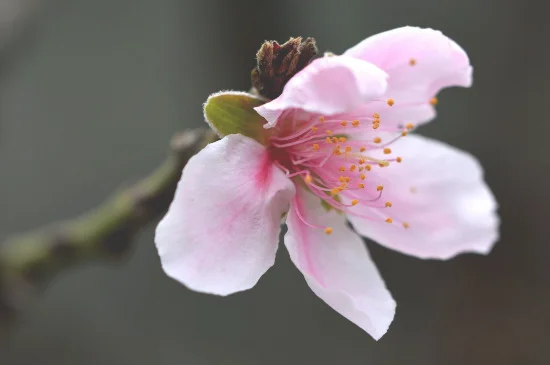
column 90, row 95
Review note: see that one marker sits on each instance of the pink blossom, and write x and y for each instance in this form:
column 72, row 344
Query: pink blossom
column 336, row 146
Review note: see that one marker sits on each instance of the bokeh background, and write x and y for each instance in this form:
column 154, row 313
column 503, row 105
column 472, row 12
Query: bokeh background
column 90, row 94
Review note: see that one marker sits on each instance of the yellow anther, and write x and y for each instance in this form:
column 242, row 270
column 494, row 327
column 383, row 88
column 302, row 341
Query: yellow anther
column 389, row 220
column 434, row 101
column 308, row 179
column 355, row 123
column 328, row 230
column 391, row 102
column 328, row 140
column 337, row 151
column 353, row 168
column 377, row 140
column 375, row 126
column 379, row 188
column 342, row 169
column 404, row 133
column 344, row 123
column 354, row 202
column 334, row 191
column 342, row 139
column 362, row 176
column 376, row 116
column 368, row 167
column 412, row 62
column 409, row 126
column 334, row 139
column 361, row 186
column 387, row 151
column 399, row 159
column 388, row 205
column 314, row 129
column 362, row 161
column 315, row 147
column 384, row 164
column 328, row 132
column 322, row 119
column 406, row 225
column 348, row 149
column 362, row 149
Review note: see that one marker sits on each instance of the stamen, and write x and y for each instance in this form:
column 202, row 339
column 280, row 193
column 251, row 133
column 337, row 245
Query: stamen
column 352, row 168
column 368, row 167
column 387, row 151
column 389, row 220
column 404, row 133
column 362, row 176
column 342, row 140
column 376, row 116
column 434, row 101
column 348, row 149
column 398, row 159
column 342, row 169
column 375, row 126
column 328, row 132
column 362, row 149
column 406, row 225
column 328, row 230
column 344, row 123
column 361, row 186
column 379, row 188
column 322, row 119
column 314, row 129
column 354, row 202
column 328, row 140
column 390, row 102
column 409, row 126
column 355, row 123
column 315, row 147
column 377, row 140
column 412, row 62
column 388, row 205
column 308, row 179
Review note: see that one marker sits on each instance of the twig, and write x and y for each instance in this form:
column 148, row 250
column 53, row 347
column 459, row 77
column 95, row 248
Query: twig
column 30, row 260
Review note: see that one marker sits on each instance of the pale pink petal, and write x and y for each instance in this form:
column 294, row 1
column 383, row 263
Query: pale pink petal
column 222, row 229
column 419, row 62
column 338, row 267
column 328, row 86
column 439, row 192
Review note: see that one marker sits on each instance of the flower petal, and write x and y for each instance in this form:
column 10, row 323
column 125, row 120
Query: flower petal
column 439, row 192
column 221, row 232
column 338, row 267
column 419, row 62
column 328, row 86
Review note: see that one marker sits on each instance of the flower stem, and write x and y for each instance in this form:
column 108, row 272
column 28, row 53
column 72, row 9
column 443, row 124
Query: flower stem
column 29, row 260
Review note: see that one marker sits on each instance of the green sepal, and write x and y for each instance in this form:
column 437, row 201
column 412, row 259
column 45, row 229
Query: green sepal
column 232, row 112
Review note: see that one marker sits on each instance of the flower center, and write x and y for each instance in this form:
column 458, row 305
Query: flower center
column 334, row 157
